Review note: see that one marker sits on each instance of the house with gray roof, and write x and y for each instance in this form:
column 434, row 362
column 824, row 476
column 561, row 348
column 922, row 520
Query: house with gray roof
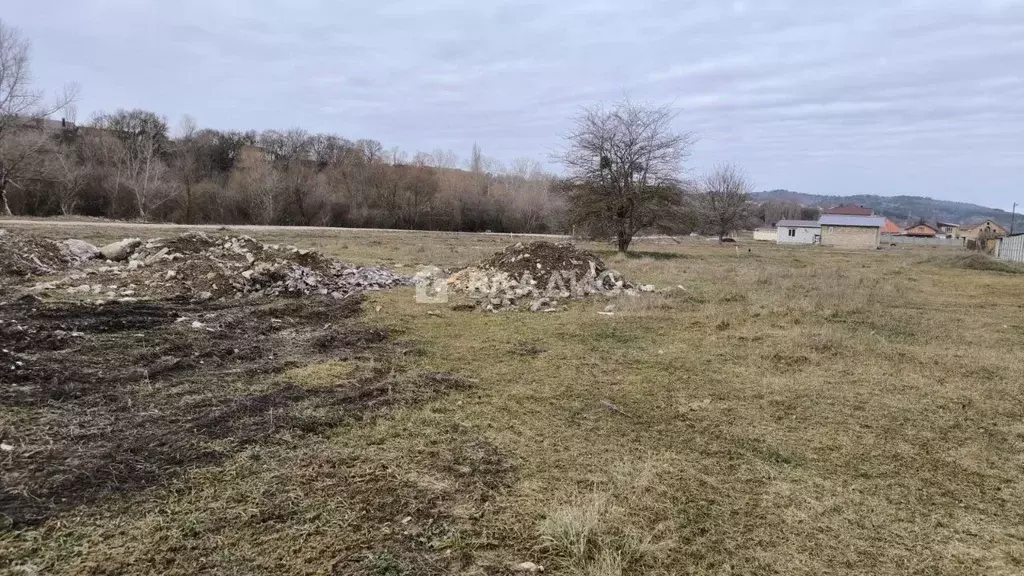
column 842, row 231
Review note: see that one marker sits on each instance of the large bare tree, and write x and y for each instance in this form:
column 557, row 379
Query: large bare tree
column 187, row 157
column 723, row 200
column 68, row 174
column 625, row 169
column 142, row 139
column 22, row 111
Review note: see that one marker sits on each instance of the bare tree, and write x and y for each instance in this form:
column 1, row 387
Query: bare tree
column 476, row 161
column 419, row 186
column 297, row 143
column 325, row 149
column 373, row 151
column 69, row 175
column 723, row 200
column 142, row 136
column 257, row 186
column 441, row 158
column 187, row 161
column 396, row 156
column 625, row 167
column 22, row 111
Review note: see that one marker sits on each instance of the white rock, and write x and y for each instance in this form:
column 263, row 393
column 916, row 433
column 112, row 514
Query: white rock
column 121, row 250
column 156, row 257
column 197, row 324
column 80, row 249
column 528, row 568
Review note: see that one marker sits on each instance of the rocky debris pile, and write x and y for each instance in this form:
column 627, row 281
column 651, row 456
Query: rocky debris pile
column 544, row 259
column 23, row 255
column 538, row 276
column 204, row 267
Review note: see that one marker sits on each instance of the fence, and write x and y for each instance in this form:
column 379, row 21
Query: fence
column 914, row 241
column 1010, row 248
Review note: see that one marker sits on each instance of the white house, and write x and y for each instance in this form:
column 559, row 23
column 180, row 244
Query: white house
column 798, row 232
column 766, row 234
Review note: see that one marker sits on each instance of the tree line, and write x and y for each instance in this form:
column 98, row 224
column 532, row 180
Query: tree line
column 127, row 165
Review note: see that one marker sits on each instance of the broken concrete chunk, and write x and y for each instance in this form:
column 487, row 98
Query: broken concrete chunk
column 120, row 250
column 80, row 250
column 153, row 259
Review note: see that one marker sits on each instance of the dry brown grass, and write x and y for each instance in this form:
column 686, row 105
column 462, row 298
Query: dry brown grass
column 787, row 411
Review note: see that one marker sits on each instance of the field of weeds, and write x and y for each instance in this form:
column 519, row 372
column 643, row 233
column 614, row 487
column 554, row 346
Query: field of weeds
column 780, row 411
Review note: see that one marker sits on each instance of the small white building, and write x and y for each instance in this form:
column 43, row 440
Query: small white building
column 765, row 234
column 798, row 232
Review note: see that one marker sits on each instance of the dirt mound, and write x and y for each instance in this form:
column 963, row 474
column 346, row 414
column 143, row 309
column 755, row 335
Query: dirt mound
column 201, row 266
column 541, row 259
column 537, row 276
column 27, row 256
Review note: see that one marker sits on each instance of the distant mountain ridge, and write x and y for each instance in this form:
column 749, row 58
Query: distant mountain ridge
column 901, row 209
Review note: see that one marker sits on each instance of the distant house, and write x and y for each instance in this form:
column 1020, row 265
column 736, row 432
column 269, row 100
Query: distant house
column 842, row 231
column 765, row 234
column 986, row 229
column 891, row 228
column 797, row 232
column 922, row 230
column 849, row 210
column 948, row 229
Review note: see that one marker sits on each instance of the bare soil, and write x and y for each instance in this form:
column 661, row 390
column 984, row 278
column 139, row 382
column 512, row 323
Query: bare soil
column 122, row 396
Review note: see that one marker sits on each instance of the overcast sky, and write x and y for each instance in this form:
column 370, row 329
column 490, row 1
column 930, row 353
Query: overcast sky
column 921, row 97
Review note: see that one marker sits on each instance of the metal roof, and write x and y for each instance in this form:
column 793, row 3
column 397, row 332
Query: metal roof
column 862, row 221
column 797, row 224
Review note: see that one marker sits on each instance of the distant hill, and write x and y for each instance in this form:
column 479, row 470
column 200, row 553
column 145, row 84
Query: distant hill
column 898, row 208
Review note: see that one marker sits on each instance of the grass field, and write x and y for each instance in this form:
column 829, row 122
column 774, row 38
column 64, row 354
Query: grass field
column 780, row 411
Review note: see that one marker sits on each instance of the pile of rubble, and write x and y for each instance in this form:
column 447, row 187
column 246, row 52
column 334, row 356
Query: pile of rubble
column 539, row 276
column 204, row 267
column 29, row 256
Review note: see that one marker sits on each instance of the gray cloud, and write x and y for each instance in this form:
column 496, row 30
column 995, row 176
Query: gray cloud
column 878, row 96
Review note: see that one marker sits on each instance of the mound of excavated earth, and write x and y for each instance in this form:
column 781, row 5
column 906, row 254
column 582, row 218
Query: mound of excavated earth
column 29, row 256
column 538, row 276
column 195, row 265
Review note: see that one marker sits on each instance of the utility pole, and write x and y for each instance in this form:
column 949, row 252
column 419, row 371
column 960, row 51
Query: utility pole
column 1013, row 216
